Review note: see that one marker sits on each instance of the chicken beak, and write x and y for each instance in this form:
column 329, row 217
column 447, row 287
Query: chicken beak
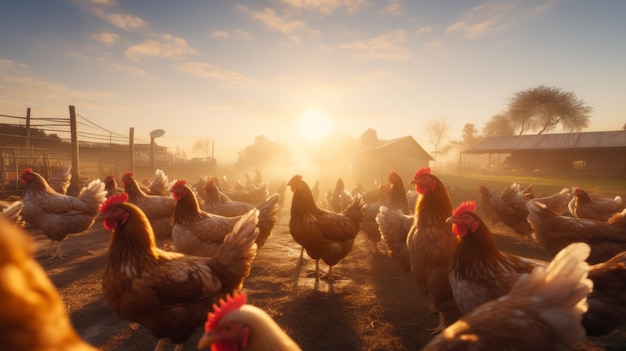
column 207, row 340
column 451, row 220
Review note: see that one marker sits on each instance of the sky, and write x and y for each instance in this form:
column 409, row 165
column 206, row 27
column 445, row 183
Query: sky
column 228, row 71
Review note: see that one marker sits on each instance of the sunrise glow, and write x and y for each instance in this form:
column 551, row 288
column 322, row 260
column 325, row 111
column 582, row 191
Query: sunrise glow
column 315, row 125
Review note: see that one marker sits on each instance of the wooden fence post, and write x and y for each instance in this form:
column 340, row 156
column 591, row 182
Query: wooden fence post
column 131, row 149
column 75, row 185
column 27, row 139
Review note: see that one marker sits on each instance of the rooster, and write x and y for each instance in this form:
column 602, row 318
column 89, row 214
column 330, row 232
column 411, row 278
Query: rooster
column 480, row 273
column 554, row 232
column 596, row 207
column 158, row 208
column 199, row 233
column 324, row 234
column 218, row 203
column 340, row 198
column 169, row 293
column 235, row 325
column 58, row 215
column 396, row 199
column 33, row 316
column 542, row 311
column 508, row 207
column 430, row 243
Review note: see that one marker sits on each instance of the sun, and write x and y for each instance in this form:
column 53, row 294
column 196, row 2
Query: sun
column 315, row 125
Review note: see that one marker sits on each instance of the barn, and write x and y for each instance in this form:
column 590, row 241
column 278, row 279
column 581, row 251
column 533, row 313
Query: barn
column 555, row 152
column 404, row 155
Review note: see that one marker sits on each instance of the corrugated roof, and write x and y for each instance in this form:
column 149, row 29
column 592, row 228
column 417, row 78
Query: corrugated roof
column 563, row 141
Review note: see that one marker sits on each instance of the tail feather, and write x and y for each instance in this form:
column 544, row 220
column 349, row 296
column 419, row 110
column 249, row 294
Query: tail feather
column 607, row 302
column 94, row 193
column 267, row 218
column 561, row 289
column 236, row 253
column 13, row 211
column 394, row 227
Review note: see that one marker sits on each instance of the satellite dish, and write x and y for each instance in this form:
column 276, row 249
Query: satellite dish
column 157, row 133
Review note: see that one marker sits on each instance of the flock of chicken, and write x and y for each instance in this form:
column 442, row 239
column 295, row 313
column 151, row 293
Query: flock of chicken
column 483, row 295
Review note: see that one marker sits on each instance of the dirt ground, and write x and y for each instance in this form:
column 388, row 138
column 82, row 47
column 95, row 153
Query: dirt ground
column 373, row 305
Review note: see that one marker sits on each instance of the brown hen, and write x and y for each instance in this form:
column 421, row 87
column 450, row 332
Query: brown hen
column 324, row 234
column 169, row 293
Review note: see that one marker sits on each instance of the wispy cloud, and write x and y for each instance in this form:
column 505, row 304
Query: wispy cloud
column 134, row 70
column 483, row 19
column 167, row 46
column 326, row 6
column 219, row 34
column 426, row 29
column 394, row 7
column 273, row 20
column 388, row 46
column 544, row 7
column 207, row 70
column 107, row 11
column 106, row 37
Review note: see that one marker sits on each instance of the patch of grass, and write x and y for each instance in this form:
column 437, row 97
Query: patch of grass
column 607, row 184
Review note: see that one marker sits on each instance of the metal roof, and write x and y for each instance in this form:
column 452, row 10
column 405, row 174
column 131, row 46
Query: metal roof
column 564, row 141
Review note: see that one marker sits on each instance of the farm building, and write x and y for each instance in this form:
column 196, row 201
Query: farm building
column 555, row 152
column 404, row 155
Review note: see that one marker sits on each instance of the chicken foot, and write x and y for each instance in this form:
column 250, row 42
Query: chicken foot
column 440, row 327
column 55, row 246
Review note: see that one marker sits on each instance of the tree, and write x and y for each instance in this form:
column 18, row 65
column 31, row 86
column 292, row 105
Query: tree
column 205, row 146
column 437, row 132
column 544, row 108
column 499, row 125
column 470, row 134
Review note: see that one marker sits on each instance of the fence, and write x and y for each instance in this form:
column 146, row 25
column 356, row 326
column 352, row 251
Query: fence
column 50, row 144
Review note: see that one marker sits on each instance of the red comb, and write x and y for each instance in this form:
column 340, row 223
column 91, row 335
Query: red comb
column 232, row 303
column 421, row 172
column 179, row 183
column 466, row 206
column 26, row 170
column 109, row 177
column 114, row 199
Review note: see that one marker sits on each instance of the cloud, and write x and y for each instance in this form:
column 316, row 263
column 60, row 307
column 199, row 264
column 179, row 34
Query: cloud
column 207, row 70
column 219, row 34
column 107, row 13
column 106, row 37
column 541, row 8
column 426, row 29
column 388, row 46
column 394, row 7
column 486, row 18
column 133, row 70
column 326, row 6
column 282, row 24
column 167, row 46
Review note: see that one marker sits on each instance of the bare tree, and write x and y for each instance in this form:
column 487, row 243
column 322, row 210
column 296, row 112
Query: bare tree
column 205, row 146
column 438, row 131
column 544, row 108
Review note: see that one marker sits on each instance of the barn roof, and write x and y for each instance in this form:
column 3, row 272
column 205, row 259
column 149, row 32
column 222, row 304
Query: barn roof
column 406, row 145
column 561, row 141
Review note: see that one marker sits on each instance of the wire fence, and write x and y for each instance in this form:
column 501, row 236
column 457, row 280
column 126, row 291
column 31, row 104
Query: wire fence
column 45, row 144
